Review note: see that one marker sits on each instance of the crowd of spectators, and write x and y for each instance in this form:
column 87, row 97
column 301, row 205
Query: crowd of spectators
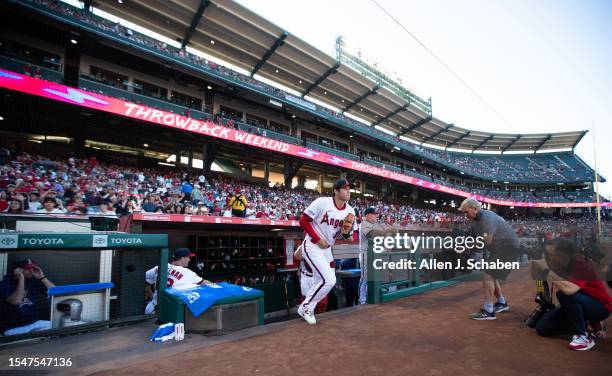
column 526, row 169
column 581, row 226
column 84, row 186
column 36, row 184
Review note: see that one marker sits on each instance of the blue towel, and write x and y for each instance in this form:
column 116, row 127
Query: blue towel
column 199, row 299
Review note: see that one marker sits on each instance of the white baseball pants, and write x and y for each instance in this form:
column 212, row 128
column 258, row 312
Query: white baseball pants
column 323, row 275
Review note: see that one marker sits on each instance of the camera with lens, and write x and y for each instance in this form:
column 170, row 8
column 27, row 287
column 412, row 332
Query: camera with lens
column 536, row 315
column 544, row 301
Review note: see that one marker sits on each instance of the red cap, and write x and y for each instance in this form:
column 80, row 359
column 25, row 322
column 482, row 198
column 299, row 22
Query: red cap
column 25, row 264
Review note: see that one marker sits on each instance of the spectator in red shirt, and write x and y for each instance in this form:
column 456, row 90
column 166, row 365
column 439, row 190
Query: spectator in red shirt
column 261, row 213
column 581, row 294
column 3, row 201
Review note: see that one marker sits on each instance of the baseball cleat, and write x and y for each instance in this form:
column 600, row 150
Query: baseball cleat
column 307, row 315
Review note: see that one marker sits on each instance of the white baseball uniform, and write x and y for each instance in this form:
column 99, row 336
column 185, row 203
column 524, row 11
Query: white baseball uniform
column 327, row 221
column 306, row 279
column 179, row 278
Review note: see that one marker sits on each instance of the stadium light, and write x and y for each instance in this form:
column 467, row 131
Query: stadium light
column 73, row 41
column 1, row 118
column 209, row 87
column 212, row 41
column 120, row 1
column 276, row 70
column 145, row 145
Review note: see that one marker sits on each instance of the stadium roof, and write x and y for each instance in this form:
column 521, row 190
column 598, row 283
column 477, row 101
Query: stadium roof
column 233, row 33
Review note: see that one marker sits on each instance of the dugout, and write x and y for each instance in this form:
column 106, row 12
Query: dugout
column 99, row 277
column 254, row 253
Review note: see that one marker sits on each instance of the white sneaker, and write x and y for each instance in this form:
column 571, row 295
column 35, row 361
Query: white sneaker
column 581, row 343
column 307, row 315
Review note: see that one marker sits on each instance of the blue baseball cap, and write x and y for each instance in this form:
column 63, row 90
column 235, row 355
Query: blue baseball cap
column 370, row 210
column 182, row 252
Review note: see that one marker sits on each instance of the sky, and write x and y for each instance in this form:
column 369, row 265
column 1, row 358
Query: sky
column 543, row 66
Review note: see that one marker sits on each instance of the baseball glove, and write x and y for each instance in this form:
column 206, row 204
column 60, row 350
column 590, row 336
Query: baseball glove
column 347, row 225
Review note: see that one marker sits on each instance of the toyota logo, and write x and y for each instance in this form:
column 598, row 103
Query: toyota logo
column 7, row 241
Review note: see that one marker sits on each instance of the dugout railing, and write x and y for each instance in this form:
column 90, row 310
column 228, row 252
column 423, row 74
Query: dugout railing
column 386, row 284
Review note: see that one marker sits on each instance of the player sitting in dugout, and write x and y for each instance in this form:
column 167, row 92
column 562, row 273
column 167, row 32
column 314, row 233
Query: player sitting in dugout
column 179, row 277
column 20, row 298
column 582, row 296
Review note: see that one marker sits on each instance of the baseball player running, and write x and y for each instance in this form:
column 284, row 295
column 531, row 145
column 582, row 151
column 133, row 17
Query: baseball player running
column 324, row 220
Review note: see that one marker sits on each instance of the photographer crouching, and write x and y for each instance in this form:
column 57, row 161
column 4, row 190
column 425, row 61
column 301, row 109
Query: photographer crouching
column 582, row 296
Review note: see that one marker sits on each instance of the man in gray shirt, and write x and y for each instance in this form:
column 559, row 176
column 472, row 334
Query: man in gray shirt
column 368, row 229
column 502, row 244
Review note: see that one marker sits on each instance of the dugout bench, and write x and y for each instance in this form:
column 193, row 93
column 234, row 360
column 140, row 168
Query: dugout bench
column 227, row 314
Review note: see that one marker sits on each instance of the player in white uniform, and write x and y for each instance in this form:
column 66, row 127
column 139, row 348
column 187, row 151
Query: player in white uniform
column 306, row 280
column 179, row 277
column 322, row 221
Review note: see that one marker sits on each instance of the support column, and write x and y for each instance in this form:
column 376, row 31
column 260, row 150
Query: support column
column 290, row 170
column 79, row 144
column 293, row 129
column 209, row 154
column 382, row 189
column 190, row 159
column 302, row 181
column 177, row 163
column 320, row 183
column 267, row 172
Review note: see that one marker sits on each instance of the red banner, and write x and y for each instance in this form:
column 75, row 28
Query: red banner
column 42, row 88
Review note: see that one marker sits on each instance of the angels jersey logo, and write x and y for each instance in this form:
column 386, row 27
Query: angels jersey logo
column 332, row 222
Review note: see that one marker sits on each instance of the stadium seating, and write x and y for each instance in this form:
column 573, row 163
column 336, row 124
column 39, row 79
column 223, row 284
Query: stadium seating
column 19, row 66
column 86, row 186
